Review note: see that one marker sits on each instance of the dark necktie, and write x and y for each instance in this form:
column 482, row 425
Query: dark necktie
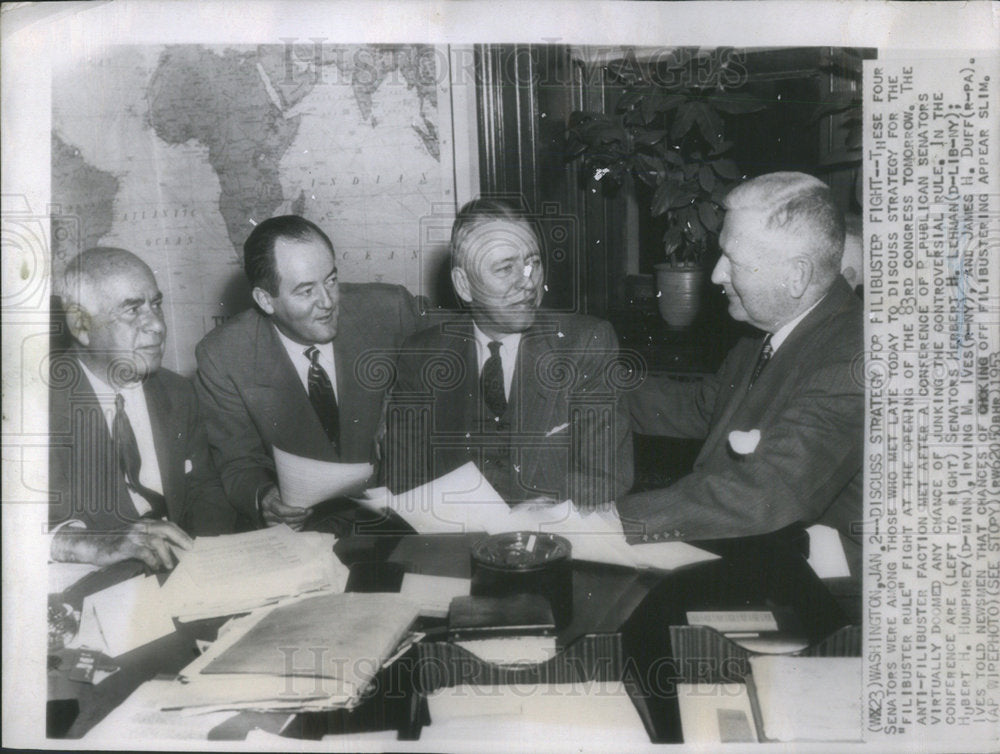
column 322, row 397
column 762, row 359
column 491, row 381
column 130, row 462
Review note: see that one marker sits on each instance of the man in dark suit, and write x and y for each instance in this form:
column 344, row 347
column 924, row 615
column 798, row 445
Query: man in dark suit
column 529, row 397
column 303, row 372
column 783, row 418
column 129, row 467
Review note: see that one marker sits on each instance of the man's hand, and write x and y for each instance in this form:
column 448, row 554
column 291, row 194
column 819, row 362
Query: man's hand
column 147, row 540
column 275, row 512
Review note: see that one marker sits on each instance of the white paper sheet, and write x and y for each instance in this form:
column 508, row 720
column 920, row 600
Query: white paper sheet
column 521, row 716
column 809, row 698
column 123, row 617
column 714, row 713
column 457, row 502
column 433, row 593
column 304, row 482
column 139, row 718
column 826, row 552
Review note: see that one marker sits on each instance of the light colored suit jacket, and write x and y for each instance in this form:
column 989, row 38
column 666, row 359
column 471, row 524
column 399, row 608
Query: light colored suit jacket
column 568, row 426
column 808, row 404
column 84, row 481
column 253, row 399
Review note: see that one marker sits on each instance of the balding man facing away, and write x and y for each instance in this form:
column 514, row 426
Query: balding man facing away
column 129, row 467
column 782, row 419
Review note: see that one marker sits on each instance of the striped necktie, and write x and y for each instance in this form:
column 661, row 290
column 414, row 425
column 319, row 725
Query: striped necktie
column 322, row 397
column 130, row 462
column 491, row 381
column 762, row 359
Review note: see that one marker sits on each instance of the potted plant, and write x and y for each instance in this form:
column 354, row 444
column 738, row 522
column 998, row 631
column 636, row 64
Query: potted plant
column 669, row 134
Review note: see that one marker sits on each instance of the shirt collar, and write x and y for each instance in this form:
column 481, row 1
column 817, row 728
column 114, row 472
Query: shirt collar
column 510, row 341
column 782, row 333
column 102, row 388
column 297, row 351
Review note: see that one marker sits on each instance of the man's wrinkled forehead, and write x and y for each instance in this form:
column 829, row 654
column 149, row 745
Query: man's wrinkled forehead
column 507, row 236
column 119, row 287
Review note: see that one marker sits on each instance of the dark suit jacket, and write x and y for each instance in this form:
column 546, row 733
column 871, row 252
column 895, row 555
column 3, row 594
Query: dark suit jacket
column 808, row 404
column 254, row 400
column 84, row 480
column 564, row 376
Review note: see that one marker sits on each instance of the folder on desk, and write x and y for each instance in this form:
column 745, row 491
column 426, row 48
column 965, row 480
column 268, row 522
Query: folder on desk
column 317, row 653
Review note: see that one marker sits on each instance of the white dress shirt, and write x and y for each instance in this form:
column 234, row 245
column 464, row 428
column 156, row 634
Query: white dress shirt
column 138, row 417
column 297, row 353
column 508, row 354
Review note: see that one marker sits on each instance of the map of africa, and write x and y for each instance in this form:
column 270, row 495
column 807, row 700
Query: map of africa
column 175, row 152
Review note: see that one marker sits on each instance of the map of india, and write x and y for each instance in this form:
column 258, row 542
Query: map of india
column 175, row 152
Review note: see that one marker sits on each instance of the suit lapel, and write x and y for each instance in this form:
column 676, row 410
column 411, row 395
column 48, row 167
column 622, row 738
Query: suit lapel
column 742, row 401
column 161, row 419
column 97, row 468
column 532, row 409
column 285, row 399
column 347, row 347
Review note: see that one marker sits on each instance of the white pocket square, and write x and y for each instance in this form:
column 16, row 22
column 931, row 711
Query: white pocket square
column 744, row 443
column 188, row 466
column 557, row 430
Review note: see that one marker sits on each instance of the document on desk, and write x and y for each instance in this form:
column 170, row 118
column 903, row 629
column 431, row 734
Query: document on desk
column 808, row 698
column 239, row 572
column 305, row 482
column 463, row 501
column 599, row 713
column 316, row 653
column 123, row 617
column 139, row 718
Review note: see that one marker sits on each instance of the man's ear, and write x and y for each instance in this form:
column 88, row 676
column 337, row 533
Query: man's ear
column 78, row 322
column 263, row 299
column 460, row 282
column 800, row 274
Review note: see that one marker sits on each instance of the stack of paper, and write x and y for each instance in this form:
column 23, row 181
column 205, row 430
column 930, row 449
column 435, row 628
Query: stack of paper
column 464, row 501
column 809, row 698
column 239, row 572
column 315, row 653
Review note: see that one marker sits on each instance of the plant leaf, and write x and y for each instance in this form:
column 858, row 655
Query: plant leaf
column 666, row 102
column 709, row 217
column 650, row 137
column 735, row 104
column 727, row 169
column 661, row 200
column 706, row 178
column 683, row 121
column 724, row 146
column 710, row 124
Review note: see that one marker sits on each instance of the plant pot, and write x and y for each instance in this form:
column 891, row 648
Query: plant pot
column 678, row 293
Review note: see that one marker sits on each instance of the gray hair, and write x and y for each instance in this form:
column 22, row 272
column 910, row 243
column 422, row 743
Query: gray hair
column 800, row 205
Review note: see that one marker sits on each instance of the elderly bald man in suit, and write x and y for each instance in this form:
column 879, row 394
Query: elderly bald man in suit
column 130, row 473
column 782, row 419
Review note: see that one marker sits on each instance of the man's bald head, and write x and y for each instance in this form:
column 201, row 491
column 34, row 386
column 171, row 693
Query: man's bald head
column 114, row 313
column 800, row 209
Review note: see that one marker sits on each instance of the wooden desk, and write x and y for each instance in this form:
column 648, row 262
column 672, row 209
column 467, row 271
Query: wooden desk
column 754, row 572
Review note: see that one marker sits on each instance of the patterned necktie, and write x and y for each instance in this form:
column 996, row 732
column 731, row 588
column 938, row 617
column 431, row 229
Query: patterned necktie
column 491, row 381
column 130, row 462
column 322, row 397
column 765, row 356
